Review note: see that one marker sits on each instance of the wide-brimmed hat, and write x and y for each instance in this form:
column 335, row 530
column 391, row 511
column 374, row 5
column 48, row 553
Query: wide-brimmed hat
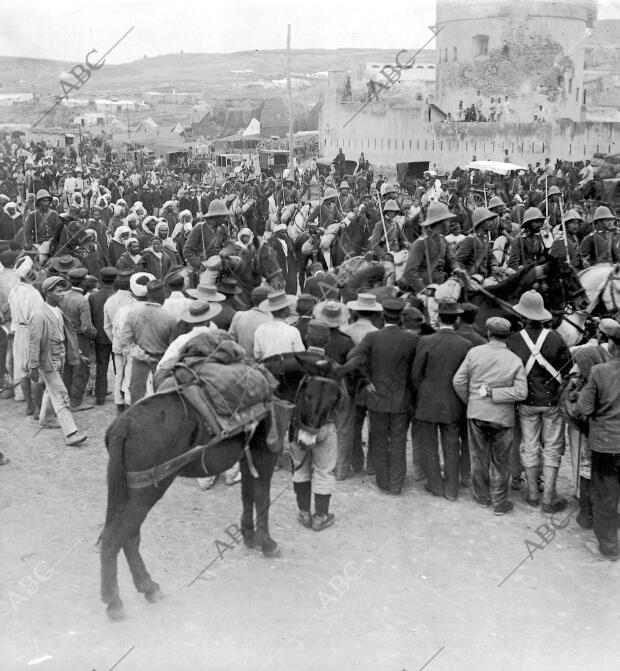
column 480, row 215
column 554, row 191
column 531, row 306
column 495, row 201
column 206, row 292
column 332, row 313
column 229, row 286
column 200, row 311
column 344, row 184
column 41, row 194
column 603, row 212
column 277, row 300
column 63, row 264
column 217, row 208
column 572, row 215
column 436, row 213
column 365, row 303
column 532, row 214
column 330, row 193
column 449, row 307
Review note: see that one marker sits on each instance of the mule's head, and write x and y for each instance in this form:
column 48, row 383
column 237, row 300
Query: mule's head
column 319, row 393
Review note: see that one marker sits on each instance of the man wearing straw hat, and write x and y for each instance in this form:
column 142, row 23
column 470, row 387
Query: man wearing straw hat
column 545, row 357
column 276, row 336
column 429, row 260
column 601, row 246
column 475, row 253
column 335, row 315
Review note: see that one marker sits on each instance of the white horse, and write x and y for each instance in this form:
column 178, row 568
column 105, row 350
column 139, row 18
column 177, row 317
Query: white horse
column 601, row 282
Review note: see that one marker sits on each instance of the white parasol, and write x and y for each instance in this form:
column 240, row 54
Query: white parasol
column 497, row 167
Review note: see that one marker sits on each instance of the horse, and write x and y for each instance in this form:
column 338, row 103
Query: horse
column 161, row 427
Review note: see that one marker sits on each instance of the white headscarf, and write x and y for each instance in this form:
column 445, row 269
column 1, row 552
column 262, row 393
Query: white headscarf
column 121, row 230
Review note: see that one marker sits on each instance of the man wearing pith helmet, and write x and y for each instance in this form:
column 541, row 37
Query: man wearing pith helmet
column 475, row 253
column 601, row 246
column 528, row 248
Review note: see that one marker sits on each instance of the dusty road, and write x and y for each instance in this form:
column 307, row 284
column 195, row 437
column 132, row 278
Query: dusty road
column 398, row 583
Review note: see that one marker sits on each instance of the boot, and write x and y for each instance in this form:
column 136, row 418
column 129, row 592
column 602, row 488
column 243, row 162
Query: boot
column 26, row 386
column 584, row 518
column 551, row 502
column 531, row 480
column 36, row 390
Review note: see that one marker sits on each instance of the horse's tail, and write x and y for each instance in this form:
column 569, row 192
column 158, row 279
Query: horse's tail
column 118, row 491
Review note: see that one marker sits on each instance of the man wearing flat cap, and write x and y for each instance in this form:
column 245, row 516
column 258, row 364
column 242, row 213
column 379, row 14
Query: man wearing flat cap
column 76, row 307
column 103, row 344
column 438, row 410
column 490, row 381
column 49, row 345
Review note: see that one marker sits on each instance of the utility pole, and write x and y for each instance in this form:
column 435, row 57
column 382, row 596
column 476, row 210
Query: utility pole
column 291, row 118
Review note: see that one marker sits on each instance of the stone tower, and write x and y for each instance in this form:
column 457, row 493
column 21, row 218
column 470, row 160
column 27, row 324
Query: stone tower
column 529, row 50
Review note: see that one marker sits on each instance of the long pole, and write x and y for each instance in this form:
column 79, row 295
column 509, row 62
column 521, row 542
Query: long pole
column 291, row 119
column 564, row 233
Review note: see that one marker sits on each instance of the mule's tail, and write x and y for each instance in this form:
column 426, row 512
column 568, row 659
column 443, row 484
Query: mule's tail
column 118, row 491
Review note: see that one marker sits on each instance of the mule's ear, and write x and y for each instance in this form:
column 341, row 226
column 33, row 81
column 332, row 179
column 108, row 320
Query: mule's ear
column 308, row 362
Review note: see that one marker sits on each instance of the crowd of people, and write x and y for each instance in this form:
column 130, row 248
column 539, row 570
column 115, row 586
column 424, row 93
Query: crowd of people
column 107, row 263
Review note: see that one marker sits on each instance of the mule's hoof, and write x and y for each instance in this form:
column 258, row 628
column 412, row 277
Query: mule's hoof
column 154, row 594
column 270, row 548
column 249, row 538
column 116, row 613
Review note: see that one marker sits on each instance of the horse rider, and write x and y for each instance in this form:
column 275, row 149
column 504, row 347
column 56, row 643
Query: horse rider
column 529, row 247
column 551, row 207
column 395, row 237
column 288, row 193
column 327, row 212
column 572, row 221
column 347, row 200
column 429, row 260
column 497, row 206
column 42, row 225
column 601, row 246
column 475, row 253
column 207, row 238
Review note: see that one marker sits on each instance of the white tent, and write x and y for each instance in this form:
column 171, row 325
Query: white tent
column 178, row 129
column 253, row 128
column 147, row 124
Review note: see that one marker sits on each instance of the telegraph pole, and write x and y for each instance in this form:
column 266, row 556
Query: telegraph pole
column 291, row 118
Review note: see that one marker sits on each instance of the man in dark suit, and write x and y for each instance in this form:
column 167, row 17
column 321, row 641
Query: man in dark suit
column 287, row 259
column 386, row 356
column 438, row 408
column 103, row 346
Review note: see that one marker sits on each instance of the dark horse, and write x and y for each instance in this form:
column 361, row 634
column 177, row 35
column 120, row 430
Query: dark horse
column 161, row 427
column 557, row 281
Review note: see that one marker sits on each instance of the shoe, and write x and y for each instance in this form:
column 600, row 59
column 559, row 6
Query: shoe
column 370, row 471
column 4, row 460
column 320, row 522
column 76, row 438
column 51, row 424
column 503, row 507
column 532, row 502
column 430, row 491
column 29, row 410
column 229, row 481
column 449, row 498
column 396, row 492
column 82, row 406
column 340, row 477
column 7, row 393
column 100, row 401
column 419, row 475
column 555, row 507
column 376, row 486
column 358, row 468
column 206, row 483
column 483, row 502
column 35, row 416
column 120, row 408
column 517, row 482
column 595, row 550
column 305, row 519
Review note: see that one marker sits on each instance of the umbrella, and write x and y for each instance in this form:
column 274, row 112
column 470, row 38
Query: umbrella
column 498, row 167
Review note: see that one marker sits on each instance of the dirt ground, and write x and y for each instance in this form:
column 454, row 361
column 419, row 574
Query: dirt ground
column 405, row 583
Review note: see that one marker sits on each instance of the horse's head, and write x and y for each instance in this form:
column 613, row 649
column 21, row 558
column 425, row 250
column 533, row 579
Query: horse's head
column 317, row 396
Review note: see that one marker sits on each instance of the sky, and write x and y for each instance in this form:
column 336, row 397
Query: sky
column 68, row 29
